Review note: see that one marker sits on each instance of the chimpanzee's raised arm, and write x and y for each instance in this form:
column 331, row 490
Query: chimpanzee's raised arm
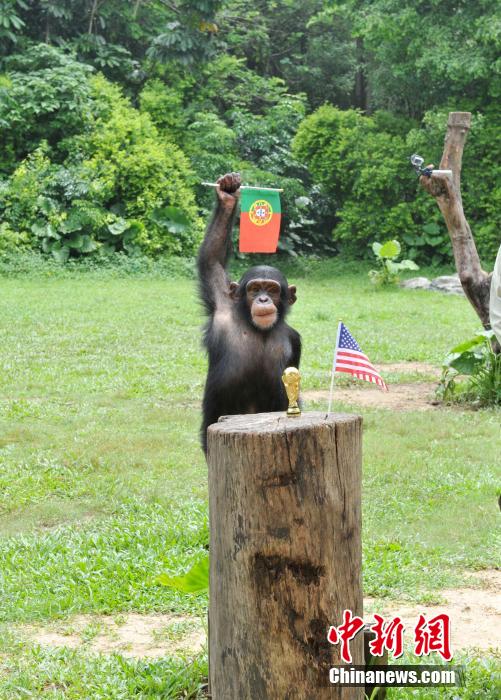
column 216, row 247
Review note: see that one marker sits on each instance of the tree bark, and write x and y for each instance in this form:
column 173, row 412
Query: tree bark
column 447, row 191
column 93, row 12
column 285, row 553
column 360, row 79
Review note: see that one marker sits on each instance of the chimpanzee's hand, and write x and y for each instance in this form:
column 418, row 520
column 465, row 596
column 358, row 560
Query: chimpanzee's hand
column 228, row 189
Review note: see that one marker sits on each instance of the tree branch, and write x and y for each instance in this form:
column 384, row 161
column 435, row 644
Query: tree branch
column 447, row 191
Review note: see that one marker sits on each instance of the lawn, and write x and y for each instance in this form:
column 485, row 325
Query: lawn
column 103, row 484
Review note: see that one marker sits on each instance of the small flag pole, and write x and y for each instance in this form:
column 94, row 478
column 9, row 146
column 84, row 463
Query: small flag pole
column 246, row 187
column 333, row 366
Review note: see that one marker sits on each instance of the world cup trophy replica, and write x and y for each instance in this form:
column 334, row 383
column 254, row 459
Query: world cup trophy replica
column 291, row 379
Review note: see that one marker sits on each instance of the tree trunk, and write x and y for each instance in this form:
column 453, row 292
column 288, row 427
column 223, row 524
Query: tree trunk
column 93, row 12
column 447, row 192
column 285, row 553
column 361, row 100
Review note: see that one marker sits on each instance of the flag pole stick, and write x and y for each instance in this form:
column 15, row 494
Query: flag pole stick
column 333, row 365
column 246, row 187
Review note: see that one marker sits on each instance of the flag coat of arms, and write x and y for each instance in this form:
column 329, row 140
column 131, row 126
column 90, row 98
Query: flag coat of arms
column 349, row 358
column 260, row 216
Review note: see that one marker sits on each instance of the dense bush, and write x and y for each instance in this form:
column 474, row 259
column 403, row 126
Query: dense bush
column 45, row 95
column 89, row 166
column 103, row 180
column 362, row 166
column 480, row 178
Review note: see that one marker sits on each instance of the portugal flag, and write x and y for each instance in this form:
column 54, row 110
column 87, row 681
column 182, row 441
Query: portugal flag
column 260, row 216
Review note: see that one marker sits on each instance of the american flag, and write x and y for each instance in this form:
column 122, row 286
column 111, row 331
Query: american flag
column 349, row 358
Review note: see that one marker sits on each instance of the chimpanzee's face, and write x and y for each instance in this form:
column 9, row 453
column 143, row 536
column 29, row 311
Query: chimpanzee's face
column 263, row 297
column 263, row 301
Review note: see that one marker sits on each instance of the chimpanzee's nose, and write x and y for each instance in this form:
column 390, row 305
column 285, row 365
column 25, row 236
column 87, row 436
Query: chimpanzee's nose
column 263, row 299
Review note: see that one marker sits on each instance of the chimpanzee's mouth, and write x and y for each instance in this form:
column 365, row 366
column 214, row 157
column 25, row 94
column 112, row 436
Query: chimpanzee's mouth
column 268, row 310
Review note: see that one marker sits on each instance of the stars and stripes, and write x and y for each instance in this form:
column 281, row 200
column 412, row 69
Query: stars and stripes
column 350, row 359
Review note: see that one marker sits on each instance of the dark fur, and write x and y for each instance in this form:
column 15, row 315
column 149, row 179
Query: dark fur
column 245, row 362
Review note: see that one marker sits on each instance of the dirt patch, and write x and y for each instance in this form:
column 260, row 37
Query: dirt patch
column 475, row 613
column 420, row 368
column 402, row 396
column 132, row 635
column 417, row 396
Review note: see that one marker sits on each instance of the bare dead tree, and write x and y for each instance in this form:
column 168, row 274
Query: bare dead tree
column 447, row 191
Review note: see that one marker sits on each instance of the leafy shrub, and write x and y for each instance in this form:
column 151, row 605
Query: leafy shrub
column 227, row 84
column 362, row 166
column 11, row 240
column 362, row 171
column 46, row 96
column 476, row 360
column 164, row 104
column 212, row 149
column 138, row 172
column 388, row 267
column 124, row 187
column 480, row 175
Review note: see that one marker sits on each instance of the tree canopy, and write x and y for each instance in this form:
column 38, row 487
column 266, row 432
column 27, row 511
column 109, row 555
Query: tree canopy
column 120, row 109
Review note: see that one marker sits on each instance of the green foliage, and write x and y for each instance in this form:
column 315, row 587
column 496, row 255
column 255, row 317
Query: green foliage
column 475, row 359
column 46, row 97
column 480, row 183
column 10, row 240
column 11, row 22
column 411, row 66
column 195, row 580
column 137, row 172
column 164, row 104
column 388, row 267
column 111, row 192
column 364, row 171
column 309, row 45
column 228, row 84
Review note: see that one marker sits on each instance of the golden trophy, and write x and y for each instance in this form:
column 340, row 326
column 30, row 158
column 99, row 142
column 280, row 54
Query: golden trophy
column 291, row 379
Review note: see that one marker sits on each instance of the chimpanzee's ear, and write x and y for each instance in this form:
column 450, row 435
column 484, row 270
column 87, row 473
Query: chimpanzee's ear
column 234, row 290
column 292, row 294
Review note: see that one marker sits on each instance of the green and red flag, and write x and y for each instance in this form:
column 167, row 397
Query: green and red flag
column 260, row 216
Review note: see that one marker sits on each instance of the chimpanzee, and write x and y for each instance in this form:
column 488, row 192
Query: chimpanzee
column 247, row 340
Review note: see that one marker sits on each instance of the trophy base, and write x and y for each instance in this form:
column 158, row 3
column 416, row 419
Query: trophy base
column 293, row 411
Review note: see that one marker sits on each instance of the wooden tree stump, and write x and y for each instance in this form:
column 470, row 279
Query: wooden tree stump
column 285, row 553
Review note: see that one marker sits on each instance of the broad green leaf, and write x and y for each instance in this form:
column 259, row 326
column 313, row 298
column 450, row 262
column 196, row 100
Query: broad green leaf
column 73, row 223
column 172, row 218
column 432, row 228
column 195, row 580
column 469, row 344
column 390, row 249
column 407, row 265
column 434, row 240
column 61, row 253
column 74, row 241
column 118, row 227
column 410, row 238
column 88, row 245
column 108, row 248
column 466, row 363
column 46, row 205
column 39, row 228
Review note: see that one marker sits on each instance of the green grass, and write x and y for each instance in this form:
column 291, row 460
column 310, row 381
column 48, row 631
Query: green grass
column 103, row 484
